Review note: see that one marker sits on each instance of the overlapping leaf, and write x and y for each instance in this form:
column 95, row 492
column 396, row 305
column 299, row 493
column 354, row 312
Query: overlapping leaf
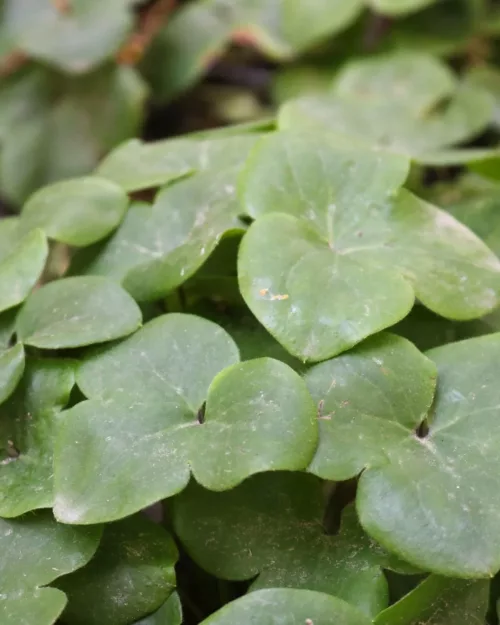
column 440, row 601
column 136, row 165
column 22, row 259
column 131, row 575
column 294, row 607
column 159, row 247
column 334, row 235
column 35, row 551
column 27, row 422
column 410, row 119
column 74, row 312
column 141, row 432
column 429, row 497
column 77, row 212
column 272, row 525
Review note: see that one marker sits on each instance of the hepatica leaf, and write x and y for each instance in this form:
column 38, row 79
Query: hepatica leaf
column 77, row 311
column 35, row 551
column 131, row 575
column 77, row 212
column 440, row 601
column 258, row 417
column 429, row 498
column 356, row 253
column 27, row 421
column 283, row 605
column 411, row 119
column 22, row 259
column 272, row 525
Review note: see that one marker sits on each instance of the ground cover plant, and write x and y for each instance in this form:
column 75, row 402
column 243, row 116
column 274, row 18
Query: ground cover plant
column 249, row 328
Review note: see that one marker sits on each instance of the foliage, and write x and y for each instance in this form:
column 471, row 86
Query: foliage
column 248, row 374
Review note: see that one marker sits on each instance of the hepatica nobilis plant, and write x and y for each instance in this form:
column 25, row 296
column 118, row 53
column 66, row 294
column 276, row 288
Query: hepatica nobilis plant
column 229, row 328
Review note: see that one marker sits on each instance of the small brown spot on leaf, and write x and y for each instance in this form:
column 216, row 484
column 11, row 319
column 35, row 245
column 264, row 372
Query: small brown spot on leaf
column 263, row 292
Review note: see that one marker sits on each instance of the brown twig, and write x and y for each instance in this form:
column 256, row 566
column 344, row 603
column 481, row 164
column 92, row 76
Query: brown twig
column 150, row 23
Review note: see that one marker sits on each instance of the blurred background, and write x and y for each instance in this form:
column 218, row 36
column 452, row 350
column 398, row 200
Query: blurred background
column 78, row 77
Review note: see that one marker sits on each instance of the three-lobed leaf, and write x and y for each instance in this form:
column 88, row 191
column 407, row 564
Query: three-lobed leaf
column 258, row 416
column 428, row 496
column 357, row 252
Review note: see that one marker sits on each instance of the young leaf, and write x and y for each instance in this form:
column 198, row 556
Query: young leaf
column 131, row 575
column 11, row 370
column 27, row 423
column 77, row 212
column 22, row 260
column 440, row 601
column 430, row 497
column 271, row 525
column 360, row 259
column 293, row 607
column 258, row 417
column 73, row 312
column 35, row 551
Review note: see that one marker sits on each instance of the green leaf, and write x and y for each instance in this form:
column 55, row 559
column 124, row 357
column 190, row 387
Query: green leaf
column 272, row 526
column 168, row 368
column 193, row 215
column 136, row 165
column 377, row 397
column 360, row 259
column 170, row 613
column 417, row 81
column 159, row 247
column 77, row 212
column 488, row 78
column 22, row 260
column 294, row 607
column 391, row 123
column 11, row 370
column 77, row 311
column 371, row 400
column 131, row 575
column 440, row 601
column 45, row 115
column 27, row 422
column 35, row 551
column 73, row 41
